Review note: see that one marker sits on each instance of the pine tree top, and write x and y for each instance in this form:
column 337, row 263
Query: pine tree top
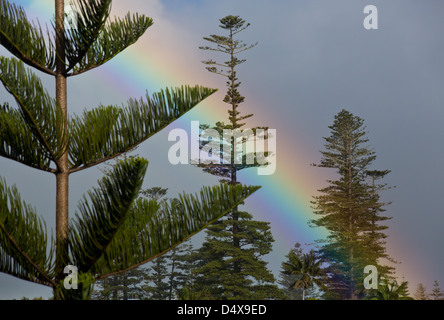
column 233, row 23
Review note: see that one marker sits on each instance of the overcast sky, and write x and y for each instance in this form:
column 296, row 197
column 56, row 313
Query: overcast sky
column 314, row 58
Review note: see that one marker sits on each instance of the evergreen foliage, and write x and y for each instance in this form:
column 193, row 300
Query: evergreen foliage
column 350, row 209
column 230, row 264
column 157, row 288
column 168, row 277
column 421, row 293
column 112, row 232
column 436, row 294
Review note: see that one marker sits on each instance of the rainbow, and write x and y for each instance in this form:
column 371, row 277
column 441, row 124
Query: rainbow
column 284, row 199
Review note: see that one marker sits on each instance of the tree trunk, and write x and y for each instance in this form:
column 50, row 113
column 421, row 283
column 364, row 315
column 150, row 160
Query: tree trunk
column 62, row 175
column 173, row 270
column 106, row 289
column 235, row 214
column 125, row 286
column 115, row 290
column 351, row 223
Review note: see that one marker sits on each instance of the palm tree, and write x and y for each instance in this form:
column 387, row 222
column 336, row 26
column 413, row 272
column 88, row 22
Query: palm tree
column 306, row 269
column 112, row 232
column 391, row 290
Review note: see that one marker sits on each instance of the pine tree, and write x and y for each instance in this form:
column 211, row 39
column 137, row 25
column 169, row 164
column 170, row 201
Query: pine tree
column 421, row 293
column 157, row 288
column 155, row 193
column 181, row 261
column 436, row 294
column 111, row 232
column 230, row 263
column 349, row 208
column 404, row 293
column 124, row 286
column 186, row 261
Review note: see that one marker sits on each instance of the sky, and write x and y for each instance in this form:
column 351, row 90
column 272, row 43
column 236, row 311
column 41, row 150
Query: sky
column 313, row 59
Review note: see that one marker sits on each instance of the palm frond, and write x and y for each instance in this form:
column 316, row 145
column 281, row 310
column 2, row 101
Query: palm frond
column 100, row 217
column 23, row 240
column 25, row 39
column 153, row 229
column 107, row 132
column 36, row 107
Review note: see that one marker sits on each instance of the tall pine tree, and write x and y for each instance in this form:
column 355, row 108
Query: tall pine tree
column 350, row 208
column 231, row 265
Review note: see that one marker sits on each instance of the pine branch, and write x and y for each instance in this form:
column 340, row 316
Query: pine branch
column 18, row 143
column 99, row 220
column 83, row 30
column 152, row 229
column 23, row 242
column 114, row 37
column 211, row 62
column 37, row 108
column 246, row 48
column 107, row 132
column 42, row 275
column 25, row 40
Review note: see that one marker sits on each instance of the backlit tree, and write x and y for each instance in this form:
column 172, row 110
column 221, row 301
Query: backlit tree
column 350, row 208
